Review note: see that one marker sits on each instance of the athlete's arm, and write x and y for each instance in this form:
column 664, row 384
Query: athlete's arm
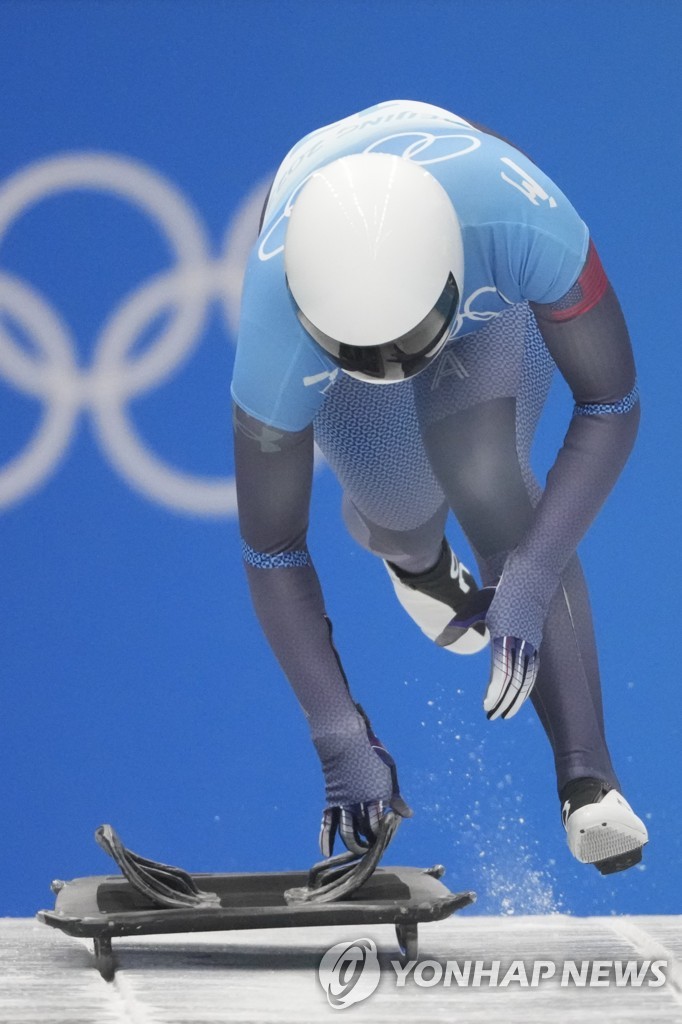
column 587, row 336
column 274, row 471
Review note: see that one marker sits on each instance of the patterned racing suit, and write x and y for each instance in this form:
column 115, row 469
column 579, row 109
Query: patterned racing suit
column 456, row 437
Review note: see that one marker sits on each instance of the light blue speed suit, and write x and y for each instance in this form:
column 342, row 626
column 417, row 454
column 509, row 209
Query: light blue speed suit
column 455, row 437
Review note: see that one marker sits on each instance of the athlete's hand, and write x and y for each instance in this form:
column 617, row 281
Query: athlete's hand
column 357, row 824
column 514, row 671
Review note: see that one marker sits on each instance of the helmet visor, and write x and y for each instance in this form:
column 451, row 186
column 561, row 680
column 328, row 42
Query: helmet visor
column 398, row 359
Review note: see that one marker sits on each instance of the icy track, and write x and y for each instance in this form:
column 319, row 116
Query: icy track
column 271, row 976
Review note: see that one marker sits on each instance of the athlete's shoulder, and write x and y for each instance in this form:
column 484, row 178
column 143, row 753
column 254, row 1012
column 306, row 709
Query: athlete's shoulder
column 519, row 227
column 402, row 127
column 280, row 376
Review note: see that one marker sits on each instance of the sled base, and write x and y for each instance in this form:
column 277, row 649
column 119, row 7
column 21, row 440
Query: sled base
column 104, row 907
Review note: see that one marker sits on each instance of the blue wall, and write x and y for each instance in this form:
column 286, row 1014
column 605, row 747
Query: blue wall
column 137, row 689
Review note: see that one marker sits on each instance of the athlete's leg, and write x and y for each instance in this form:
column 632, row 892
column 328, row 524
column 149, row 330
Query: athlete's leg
column 394, row 507
column 392, row 503
column 478, row 409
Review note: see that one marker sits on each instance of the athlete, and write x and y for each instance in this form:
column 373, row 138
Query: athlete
column 415, row 280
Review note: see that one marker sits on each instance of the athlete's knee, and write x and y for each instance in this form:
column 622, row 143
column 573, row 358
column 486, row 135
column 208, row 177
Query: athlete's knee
column 474, row 456
column 490, row 500
column 478, row 482
column 416, row 546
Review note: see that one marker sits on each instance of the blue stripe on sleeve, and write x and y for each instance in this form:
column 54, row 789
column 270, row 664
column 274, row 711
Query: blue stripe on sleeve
column 286, row 560
column 620, row 407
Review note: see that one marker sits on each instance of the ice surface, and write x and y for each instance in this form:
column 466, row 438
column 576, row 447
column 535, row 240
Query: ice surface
column 271, row 976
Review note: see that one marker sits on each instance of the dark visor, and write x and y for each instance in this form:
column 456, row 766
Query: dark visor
column 399, row 359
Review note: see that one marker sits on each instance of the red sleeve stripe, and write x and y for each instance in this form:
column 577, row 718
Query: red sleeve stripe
column 585, row 293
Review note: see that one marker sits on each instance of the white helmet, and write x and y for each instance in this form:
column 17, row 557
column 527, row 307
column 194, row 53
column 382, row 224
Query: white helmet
column 374, row 262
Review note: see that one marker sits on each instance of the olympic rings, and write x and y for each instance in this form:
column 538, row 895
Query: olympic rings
column 115, row 376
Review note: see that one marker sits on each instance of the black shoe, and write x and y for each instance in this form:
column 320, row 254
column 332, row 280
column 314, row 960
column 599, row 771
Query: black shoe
column 445, row 602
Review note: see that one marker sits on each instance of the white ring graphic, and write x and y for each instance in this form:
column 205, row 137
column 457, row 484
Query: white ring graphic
column 52, row 381
column 264, row 253
column 425, row 141
column 115, row 376
column 455, row 144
